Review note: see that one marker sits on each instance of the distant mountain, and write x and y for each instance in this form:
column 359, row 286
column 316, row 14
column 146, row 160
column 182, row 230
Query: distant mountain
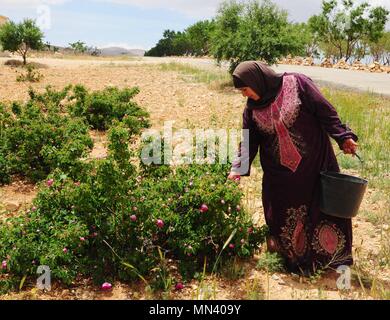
column 118, row 51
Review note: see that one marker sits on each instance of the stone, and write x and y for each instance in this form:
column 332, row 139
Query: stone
column 342, row 64
column 275, row 277
column 309, row 61
column 376, row 67
column 12, row 206
column 327, row 63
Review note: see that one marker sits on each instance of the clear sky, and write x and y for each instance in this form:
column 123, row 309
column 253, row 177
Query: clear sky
column 129, row 23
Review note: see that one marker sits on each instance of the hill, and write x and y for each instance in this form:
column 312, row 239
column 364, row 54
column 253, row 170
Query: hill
column 118, row 51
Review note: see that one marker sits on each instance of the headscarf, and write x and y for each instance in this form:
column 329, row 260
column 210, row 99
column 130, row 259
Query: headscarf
column 261, row 79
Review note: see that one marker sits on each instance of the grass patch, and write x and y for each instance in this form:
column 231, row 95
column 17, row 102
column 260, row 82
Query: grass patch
column 215, row 79
column 369, row 117
column 270, row 262
column 254, row 290
column 374, row 217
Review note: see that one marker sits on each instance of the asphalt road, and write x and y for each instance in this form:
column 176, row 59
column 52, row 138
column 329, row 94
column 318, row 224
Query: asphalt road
column 378, row 83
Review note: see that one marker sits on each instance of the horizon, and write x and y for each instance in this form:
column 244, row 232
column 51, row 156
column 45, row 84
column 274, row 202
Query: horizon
column 129, row 24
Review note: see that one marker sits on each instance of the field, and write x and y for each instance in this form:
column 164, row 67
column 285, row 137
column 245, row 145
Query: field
column 203, row 99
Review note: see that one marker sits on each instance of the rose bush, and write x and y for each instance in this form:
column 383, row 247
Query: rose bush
column 116, row 216
column 101, row 108
column 36, row 138
column 51, row 130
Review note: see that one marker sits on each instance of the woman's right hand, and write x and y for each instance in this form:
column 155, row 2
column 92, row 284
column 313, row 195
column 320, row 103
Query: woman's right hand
column 234, row 177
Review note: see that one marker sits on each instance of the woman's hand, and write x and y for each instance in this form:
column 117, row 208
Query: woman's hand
column 234, row 177
column 350, row 146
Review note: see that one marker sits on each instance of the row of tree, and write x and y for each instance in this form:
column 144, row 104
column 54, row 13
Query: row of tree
column 26, row 35
column 252, row 30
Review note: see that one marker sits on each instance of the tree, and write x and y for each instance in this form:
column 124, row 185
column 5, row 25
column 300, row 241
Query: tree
column 165, row 46
column 21, row 37
column 345, row 27
column 79, row 47
column 199, row 37
column 381, row 50
column 309, row 43
column 252, row 30
column 180, row 44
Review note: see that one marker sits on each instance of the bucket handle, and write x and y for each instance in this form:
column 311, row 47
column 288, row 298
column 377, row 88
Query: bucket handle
column 362, row 162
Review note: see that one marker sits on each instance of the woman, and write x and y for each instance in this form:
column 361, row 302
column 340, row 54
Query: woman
column 290, row 122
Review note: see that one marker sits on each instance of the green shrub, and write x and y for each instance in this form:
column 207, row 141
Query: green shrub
column 271, row 262
column 31, row 75
column 36, row 140
column 4, row 170
column 50, row 98
column 109, row 220
column 40, row 135
column 101, row 108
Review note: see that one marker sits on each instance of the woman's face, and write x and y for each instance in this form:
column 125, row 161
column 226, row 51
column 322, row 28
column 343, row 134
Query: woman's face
column 249, row 93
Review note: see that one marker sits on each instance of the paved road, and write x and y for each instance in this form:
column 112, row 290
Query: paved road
column 357, row 80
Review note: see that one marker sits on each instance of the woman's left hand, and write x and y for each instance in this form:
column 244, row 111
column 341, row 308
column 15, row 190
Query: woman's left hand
column 350, row 146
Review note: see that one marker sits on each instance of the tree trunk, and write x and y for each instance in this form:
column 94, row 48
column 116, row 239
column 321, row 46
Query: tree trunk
column 25, row 58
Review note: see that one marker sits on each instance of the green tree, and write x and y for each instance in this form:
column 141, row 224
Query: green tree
column 343, row 28
column 309, row 43
column 199, row 37
column 165, row 46
column 252, row 30
column 79, row 47
column 380, row 51
column 21, row 37
column 180, row 44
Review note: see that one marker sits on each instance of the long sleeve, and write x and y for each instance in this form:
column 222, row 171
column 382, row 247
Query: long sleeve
column 323, row 110
column 249, row 146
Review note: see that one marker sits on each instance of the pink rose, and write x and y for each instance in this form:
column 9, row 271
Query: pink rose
column 50, row 182
column 160, row 223
column 179, row 286
column 106, row 286
column 204, row 208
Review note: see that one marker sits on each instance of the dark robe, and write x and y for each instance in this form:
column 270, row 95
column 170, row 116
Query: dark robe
column 307, row 238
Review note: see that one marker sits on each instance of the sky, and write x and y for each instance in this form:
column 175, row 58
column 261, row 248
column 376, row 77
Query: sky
column 132, row 24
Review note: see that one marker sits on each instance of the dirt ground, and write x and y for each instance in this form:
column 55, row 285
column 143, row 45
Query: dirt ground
column 170, row 96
